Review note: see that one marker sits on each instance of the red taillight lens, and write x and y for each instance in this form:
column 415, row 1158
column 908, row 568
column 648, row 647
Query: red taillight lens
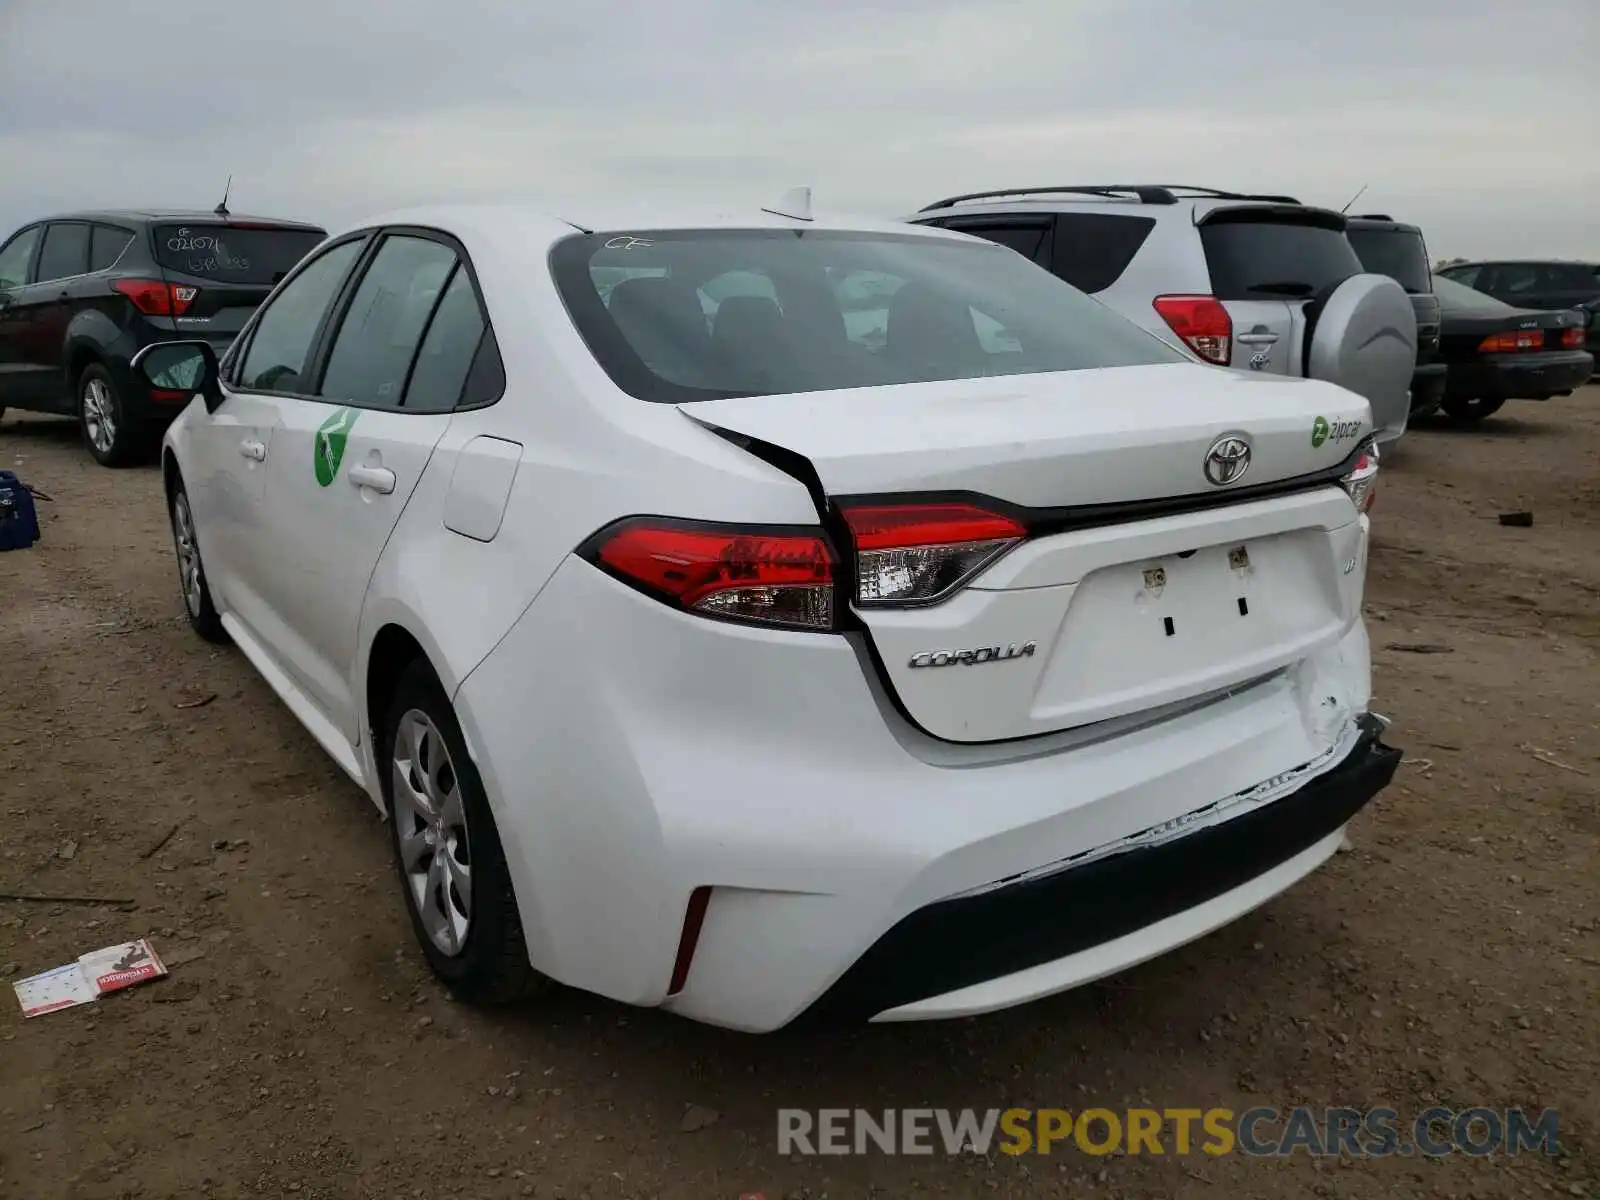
column 155, row 298
column 1572, row 339
column 920, row 553
column 1362, row 481
column 741, row 574
column 1202, row 323
column 1510, row 343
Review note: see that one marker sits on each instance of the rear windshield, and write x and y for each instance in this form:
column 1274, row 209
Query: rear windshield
column 1260, row 259
column 232, row 254
column 685, row 315
column 1397, row 253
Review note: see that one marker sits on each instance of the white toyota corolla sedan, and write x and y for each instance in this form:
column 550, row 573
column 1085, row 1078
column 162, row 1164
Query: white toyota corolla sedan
column 774, row 618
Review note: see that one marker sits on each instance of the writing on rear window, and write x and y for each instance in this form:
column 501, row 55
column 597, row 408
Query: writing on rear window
column 231, row 254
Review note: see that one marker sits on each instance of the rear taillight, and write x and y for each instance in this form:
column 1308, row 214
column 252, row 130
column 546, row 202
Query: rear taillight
column 919, row 553
column 1362, row 480
column 1572, row 339
column 742, row 574
column 1510, row 343
column 155, row 298
column 1203, row 324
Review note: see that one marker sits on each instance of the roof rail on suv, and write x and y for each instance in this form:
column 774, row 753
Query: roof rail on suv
column 1145, row 193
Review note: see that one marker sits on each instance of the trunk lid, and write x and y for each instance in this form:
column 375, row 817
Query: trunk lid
column 1102, row 611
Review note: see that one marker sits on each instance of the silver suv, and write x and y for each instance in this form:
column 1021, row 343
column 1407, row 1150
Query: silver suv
column 1261, row 283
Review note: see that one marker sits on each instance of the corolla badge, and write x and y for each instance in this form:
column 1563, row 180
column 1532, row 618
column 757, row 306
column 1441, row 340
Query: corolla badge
column 1227, row 460
column 974, row 657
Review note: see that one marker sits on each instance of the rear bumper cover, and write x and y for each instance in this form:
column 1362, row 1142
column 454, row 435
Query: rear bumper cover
column 1520, row 376
column 954, row 944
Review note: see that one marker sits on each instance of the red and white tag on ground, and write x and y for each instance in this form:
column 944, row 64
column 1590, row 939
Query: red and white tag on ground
column 92, row 976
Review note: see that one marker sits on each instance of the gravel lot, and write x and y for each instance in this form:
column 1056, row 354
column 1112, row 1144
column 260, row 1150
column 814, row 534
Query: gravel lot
column 300, row 1049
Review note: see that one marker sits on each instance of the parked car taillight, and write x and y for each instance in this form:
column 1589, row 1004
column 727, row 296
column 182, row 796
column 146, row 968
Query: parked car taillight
column 1573, row 339
column 1510, row 343
column 156, row 298
column 1203, row 324
column 1362, row 480
column 753, row 574
column 908, row 554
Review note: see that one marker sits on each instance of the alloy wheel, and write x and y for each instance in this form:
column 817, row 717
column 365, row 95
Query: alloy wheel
column 431, row 823
column 99, row 415
column 188, row 554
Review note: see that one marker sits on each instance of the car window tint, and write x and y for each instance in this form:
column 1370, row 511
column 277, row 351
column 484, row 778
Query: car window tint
column 440, row 372
column 1463, row 275
column 378, row 337
column 106, row 245
column 65, row 252
column 1255, row 256
column 281, row 343
column 15, row 257
column 1027, row 239
column 1397, row 253
column 1568, row 277
column 1092, row 250
column 832, row 310
column 1515, row 279
column 1454, row 294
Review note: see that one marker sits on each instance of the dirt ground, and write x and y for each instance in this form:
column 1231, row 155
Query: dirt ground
column 299, row 1047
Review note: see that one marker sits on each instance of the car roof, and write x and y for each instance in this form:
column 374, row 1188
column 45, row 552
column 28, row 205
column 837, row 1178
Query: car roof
column 1381, row 221
column 556, row 221
column 192, row 216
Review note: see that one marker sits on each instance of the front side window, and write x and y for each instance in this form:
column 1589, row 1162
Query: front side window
column 378, row 338
column 276, row 360
column 681, row 315
column 65, row 252
column 15, row 257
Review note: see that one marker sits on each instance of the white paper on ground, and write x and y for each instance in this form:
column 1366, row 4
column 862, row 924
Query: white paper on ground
column 92, row 976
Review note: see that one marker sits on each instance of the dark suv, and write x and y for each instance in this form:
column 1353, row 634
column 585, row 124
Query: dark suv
column 81, row 294
column 1393, row 248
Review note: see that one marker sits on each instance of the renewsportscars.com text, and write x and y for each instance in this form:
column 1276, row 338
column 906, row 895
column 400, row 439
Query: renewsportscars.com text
column 1255, row 1132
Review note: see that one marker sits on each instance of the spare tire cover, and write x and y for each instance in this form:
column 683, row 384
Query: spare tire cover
column 1365, row 339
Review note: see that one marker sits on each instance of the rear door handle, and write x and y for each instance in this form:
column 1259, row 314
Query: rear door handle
column 379, row 479
column 253, row 450
column 1256, row 339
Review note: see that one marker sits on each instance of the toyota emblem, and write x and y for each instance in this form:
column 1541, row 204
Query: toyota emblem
column 1227, row 460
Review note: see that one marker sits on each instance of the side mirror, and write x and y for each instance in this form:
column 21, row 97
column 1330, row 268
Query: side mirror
column 181, row 367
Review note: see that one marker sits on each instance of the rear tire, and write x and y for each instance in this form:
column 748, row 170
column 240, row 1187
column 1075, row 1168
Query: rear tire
column 452, row 870
column 110, row 437
column 1471, row 409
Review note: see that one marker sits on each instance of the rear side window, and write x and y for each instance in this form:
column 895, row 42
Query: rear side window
column 383, row 326
column 448, row 349
column 65, row 253
column 1258, row 256
column 1467, row 276
column 251, row 255
column 1028, row 238
column 1397, row 253
column 106, row 245
column 1092, row 250
column 682, row 315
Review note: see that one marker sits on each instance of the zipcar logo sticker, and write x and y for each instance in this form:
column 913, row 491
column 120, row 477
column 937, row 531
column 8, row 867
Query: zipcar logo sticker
column 330, row 443
column 1338, row 431
column 972, row 658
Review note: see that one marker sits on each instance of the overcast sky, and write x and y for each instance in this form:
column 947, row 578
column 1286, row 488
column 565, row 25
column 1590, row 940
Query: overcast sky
column 1478, row 120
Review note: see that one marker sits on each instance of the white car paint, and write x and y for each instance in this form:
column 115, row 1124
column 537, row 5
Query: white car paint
column 633, row 752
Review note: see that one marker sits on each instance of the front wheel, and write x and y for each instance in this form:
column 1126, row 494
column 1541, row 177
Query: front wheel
column 197, row 603
column 452, row 869
column 1474, row 408
column 111, row 437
